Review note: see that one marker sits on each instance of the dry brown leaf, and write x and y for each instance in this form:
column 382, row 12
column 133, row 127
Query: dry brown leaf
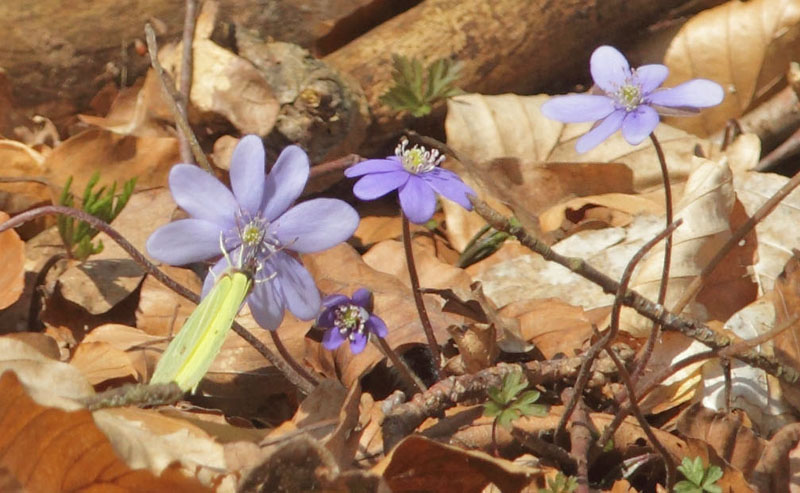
column 12, row 260
column 20, row 160
column 223, row 83
column 705, row 209
column 744, row 46
column 775, row 470
column 100, row 362
column 725, row 433
column 421, row 464
column 630, row 205
column 48, row 449
column 551, row 325
column 162, row 312
column 114, row 351
column 107, row 278
column 117, row 157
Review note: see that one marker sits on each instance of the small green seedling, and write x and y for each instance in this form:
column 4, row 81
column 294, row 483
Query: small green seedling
column 191, row 353
column 483, row 244
column 698, row 478
column 104, row 204
column 416, row 88
column 561, row 484
column 507, row 404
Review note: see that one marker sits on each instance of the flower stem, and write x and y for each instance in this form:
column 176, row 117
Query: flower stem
column 287, row 356
column 412, row 380
column 436, row 354
column 662, row 290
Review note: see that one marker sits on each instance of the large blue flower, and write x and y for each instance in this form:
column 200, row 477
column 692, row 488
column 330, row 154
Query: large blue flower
column 255, row 227
column 629, row 99
column 417, row 175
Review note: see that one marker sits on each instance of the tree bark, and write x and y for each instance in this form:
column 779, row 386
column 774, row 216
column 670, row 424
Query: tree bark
column 505, row 45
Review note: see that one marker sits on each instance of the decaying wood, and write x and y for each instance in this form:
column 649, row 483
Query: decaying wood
column 505, row 45
column 53, row 49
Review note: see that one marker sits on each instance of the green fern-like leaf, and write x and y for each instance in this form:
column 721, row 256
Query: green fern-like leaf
column 416, row 88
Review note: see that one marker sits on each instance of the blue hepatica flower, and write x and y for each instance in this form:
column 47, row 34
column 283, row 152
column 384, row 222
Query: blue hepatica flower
column 629, row 99
column 255, row 226
column 417, row 175
column 349, row 319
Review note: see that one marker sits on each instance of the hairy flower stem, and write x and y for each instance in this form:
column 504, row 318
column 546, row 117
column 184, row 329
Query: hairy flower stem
column 164, row 279
column 655, row 332
column 411, row 379
column 287, row 356
column 436, row 354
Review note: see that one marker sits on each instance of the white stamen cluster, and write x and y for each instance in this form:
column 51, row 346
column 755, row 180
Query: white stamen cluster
column 350, row 320
column 417, row 160
column 629, row 96
column 256, row 244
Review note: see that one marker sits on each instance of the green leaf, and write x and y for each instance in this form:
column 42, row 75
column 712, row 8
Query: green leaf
column 416, row 88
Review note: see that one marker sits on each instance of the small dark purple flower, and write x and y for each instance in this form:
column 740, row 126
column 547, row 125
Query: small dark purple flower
column 417, row 175
column 629, row 99
column 255, row 227
column 349, row 319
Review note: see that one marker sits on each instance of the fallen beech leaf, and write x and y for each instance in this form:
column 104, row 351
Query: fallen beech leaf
column 726, row 434
column 100, row 361
column 744, row 46
column 705, row 209
column 20, row 160
column 114, row 351
column 551, row 325
column 48, row 449
column 421, row 464
column 631, row 205
column 117, row 157
column 162, row 311
column 12, row 272
column 775, row 470
column 222, row 82
column 110, row 276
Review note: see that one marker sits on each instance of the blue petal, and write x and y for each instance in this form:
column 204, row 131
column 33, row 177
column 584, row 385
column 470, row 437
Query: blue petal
column 372, row 186
column 299, row 291
column 358, row 343
column 315, row 225
column 267, row 303
column 285, row 182
column 377, row 326
column 651, row 76
column 247, row 173
column 334, row 300
column 184, row 241
column 609, row 68
column 696, row 93
column 417, row 200
column 202, row 195
column 362, row 297
column 327, row 318
column 448, row 184
column 373, row 166
column 578, row 108
column 639, row 123
column 332, row 339
column 600, row 132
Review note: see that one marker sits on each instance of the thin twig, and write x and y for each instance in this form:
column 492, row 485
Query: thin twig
column 655, row 332
column 436, row 353
column 287, row 356
column 643, row 306
column 168, row 86
column 186, row 76
column 160, row 276
column 611, row 333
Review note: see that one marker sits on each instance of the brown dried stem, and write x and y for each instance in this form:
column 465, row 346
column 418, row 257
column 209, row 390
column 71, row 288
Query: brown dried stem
column 186, row 76
column 287, row 356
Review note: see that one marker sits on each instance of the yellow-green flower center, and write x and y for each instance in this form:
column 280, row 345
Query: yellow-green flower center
column 629, row 96
column 251, row 234
column 350, row 320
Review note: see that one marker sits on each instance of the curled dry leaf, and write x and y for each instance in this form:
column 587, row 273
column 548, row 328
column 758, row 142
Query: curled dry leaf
column 551, row 325
column 20, row 160
column 113, row 351
column 47, row 449
column 161, row 311
column 744, row 46
column 12, row 272
column 705, row 209
column 421, row 464
column 775, row 468
column 224, row 83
